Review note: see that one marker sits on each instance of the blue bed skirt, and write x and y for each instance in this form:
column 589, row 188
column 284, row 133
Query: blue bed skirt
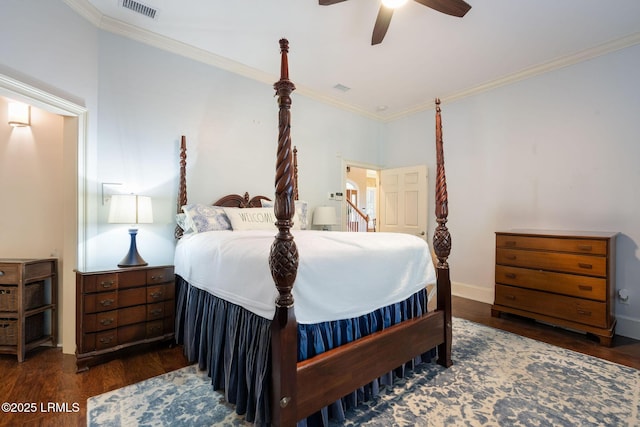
column 234, row 346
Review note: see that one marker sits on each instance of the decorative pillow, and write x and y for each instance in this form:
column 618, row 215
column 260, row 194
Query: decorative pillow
column 302, row 211
column 181, row 220
column 254, row 218
column 200, row 218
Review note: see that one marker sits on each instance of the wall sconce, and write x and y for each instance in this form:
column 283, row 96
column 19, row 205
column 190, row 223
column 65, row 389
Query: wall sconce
column 324, row 216
column 19, row 114
column 131, row 209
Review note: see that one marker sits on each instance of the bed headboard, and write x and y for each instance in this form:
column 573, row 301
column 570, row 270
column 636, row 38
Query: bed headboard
column 230, row 200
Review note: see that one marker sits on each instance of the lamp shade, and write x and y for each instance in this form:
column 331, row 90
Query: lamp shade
column 130, row 209
column 324, row 215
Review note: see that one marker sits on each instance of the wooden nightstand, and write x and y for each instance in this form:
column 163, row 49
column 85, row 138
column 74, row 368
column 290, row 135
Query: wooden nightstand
column 120, row 309
column 28, row 301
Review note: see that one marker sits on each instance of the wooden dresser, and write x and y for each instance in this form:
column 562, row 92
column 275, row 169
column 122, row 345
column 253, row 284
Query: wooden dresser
column 563, row 278
column 119, row 309
column 28, row 303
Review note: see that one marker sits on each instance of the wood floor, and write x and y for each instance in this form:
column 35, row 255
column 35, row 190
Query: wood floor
column 49, row 376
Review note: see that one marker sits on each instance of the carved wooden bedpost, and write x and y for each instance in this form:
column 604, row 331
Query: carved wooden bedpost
column 182, row 189
column 442, row 244
column 283, row 262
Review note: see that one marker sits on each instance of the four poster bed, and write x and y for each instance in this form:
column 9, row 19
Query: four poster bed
column 347, row 334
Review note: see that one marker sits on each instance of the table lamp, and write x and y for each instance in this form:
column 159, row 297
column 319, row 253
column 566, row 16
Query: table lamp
column 131, row 209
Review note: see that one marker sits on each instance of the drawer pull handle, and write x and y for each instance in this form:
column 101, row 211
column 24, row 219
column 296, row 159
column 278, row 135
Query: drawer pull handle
column 585, row 287
column 510, row 243
column 511, row 257
column 106, row 340
column 585, row 265
column 585, row 247
column 107, row 302
column 160, row 277
column 156, row 295
column 154, row 329
column 156, row 312
column 1, row 273
column 510, row 275
column 105, row 322
column 510, row 297
column 584, row 312
column 107, row 285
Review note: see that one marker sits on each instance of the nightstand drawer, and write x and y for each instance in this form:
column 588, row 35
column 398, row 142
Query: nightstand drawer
column 133, row 296
column 563, row 307
column 132, row 278
column 160, row 292
column 559, row 262
column 106, row 339
column 555, row 244
column 593, row 288
column 9, row 274
column 104, row 301
column 160, row 275
column 101, row 283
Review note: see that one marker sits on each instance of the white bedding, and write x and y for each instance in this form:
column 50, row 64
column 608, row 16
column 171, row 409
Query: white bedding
column 340, row 274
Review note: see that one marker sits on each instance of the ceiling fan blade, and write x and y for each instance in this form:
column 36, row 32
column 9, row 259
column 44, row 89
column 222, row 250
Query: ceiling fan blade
column 382, row 24
column 457, row 8
column 329, row 2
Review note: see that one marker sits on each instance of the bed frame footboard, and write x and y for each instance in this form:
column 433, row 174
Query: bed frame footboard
column 300, row 389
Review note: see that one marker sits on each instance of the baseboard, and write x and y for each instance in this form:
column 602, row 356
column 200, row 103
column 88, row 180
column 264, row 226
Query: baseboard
column 628, row 327
column 476, row 293
column 625, row 326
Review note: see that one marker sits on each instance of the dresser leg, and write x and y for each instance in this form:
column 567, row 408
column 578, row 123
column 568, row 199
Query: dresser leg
column 495, row 313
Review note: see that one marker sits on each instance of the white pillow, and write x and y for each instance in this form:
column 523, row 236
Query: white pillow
column 301, row 221
column 200, row 218
column 253, row 218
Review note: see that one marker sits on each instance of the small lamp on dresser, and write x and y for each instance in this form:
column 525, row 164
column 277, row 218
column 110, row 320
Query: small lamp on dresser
column 131, row 209
column 324, row 216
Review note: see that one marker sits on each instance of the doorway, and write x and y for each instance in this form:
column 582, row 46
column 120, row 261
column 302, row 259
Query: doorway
column 72, row 254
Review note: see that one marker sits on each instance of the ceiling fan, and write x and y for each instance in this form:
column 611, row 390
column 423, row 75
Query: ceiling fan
column 450, row 7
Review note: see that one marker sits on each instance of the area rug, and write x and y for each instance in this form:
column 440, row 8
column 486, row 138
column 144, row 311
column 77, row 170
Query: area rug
column 498, row 379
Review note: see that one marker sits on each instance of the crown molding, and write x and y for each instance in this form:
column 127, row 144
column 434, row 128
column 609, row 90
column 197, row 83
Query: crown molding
column 562, row 62
column 88, row 11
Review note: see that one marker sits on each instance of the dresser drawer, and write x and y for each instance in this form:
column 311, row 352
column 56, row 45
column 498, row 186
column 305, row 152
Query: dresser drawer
column 100, row 321
column 39, row 270
column 155, row 328
column 556, row 244
column 160, row 275
column 563, row 307
column 133, row 296
column 594, row 288
column 131, row 315
column 100, row 283
column 9, row 274
column 104, row 301
column 560, row 262
column 133, row 278
column 132, row 333
column 160, row 292
column 106, row 339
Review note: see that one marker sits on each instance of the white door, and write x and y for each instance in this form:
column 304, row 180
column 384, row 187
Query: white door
column 403, row 200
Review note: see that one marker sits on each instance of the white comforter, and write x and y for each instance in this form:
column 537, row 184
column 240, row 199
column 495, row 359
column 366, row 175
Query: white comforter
column 340, row 275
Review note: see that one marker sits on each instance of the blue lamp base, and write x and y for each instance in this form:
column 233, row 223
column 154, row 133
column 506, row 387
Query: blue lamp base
column 133, row 258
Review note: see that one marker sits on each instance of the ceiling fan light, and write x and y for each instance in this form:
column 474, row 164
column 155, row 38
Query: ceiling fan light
column 393, row 4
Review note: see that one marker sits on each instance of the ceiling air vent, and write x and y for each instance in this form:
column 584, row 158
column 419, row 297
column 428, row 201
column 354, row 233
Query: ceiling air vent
column 140, row 8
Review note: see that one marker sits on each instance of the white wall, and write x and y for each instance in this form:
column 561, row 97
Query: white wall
column 149, row 98
column 557, row 151
column 30, row 186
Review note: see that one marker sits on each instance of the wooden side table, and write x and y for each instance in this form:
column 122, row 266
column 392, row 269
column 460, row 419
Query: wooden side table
column 28, row 304
column 120, row 309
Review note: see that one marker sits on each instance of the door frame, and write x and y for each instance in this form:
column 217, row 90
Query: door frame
column 343, row 186
column 75, row 143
